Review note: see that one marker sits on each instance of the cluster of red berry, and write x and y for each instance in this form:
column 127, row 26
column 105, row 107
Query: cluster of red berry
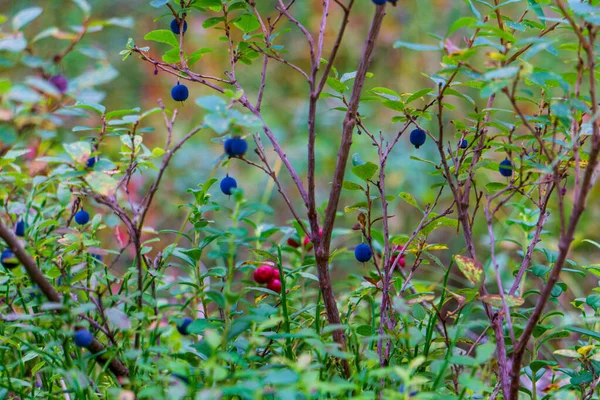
column 401, row 262
column 306, row 243
column 269, row 275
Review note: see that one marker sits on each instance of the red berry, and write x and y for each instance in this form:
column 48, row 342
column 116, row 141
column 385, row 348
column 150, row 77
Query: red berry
column 293, row 243
column 263, row 274
column 308, row 242
column 276, row 274
column 402, row 262
column 274, row 285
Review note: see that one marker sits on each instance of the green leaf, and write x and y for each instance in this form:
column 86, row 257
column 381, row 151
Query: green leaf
column 162, row 36
column 247, row 23
column 461, row 23
column 212, row 103
column 25, row 16
column 365, row 171
column 214, row 5
column 352, row 186
column 409, row 199
column 364, row 330
column 13, row 43
column 159, row 3
column 585, row 332
column 99, row 108
column 501, row 73
column 336, row 85
column 416, row 46
column 210, row 22
column 471, row 269
column 102, row 183
column 356, row 161
column 495, row 186
column 417, row 95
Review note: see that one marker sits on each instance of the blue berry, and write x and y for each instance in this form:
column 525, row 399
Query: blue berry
column 83, row 338
column 235, row 147
column 417, row 137
column 362, row 252
column 8, row 259
column 180, row 92
column 464, row 144
column 182, row 327
column 20, row 228
column 175, row 26
column 60, row 82
column 227, row 184
column 379, row 2
column 96, row 257
column 506, row 168
column 82, row 217
column 91, row 162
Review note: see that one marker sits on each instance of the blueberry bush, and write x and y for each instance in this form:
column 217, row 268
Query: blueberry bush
column 351, row 233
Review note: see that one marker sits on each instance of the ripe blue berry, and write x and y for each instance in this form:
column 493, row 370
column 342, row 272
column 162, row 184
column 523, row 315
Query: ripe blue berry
column 20, row 228
column 417, row 137
column 82, row 217
column 362, row 252
column 83, row 338
column 182, row 327
column 464, row 144
column 180, row 92
column 379, row 2
column 235, row 147
column 506, row 168
column 91, row 162
column 175, row 26
column 227, row 184
column 96, row 257
column 8, row 259
column 60, row 82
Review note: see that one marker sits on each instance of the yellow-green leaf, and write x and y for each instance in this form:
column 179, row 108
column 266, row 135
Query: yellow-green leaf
column 471, row 269
column 102, row 183
column 495, row 300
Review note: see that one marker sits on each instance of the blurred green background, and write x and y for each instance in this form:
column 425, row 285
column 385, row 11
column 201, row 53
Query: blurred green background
column 285, row 106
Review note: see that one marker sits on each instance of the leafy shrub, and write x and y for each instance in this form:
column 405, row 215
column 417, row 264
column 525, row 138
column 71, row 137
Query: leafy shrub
column 248, row 301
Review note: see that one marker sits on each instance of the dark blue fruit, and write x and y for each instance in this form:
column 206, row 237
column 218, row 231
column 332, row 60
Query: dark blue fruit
column 417, row 137
column 182, row 327
column 362, row 252
column 175, row 26
column 82, row 217
column 464, row 144
column 8, row 259
column 96, row 257
column 235, row 147
column 180, row 92
column 506, row 168
column 379, row 2
column 91, row 162
column 83, row 338
column 60, row 82
column 20, row 228
column 227, row 184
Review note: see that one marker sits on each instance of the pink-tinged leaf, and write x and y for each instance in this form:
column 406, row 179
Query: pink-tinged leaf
column 471, row 269
column 495, row 300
